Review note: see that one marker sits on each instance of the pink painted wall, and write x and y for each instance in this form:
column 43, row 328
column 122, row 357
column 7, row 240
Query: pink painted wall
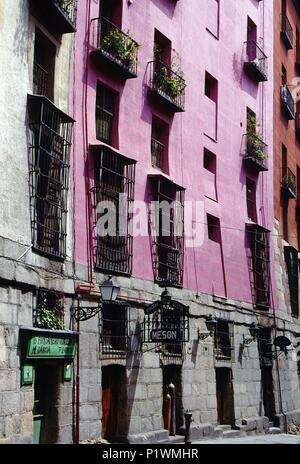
column 185, row 23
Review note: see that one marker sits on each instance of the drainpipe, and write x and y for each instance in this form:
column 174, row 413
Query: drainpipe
column 77, row 436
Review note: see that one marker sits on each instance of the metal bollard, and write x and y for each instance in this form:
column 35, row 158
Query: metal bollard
column 171, row 388
column 188, row 420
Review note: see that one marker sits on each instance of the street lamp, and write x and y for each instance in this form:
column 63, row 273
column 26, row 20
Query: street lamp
column 254, row 330
column 109, row 290
column 211, row 323
column 165, row 298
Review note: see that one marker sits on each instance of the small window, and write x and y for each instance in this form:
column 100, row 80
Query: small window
column 159, row 136
column 283, row 75
column 43, row 66
column 209, row 161
column 251, row 199
column 105, row 114
column 223, row 340
column 292, row 267
column 213, row 17
column 49, row 310
column 162, row 48
column 211, row 87
column 213, row 228
column 114, row 330
column 251, row 31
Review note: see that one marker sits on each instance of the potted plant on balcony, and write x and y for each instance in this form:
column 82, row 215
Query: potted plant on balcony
column 170, row 81
column 255, row 143
column 289, row 186
column 120, row 46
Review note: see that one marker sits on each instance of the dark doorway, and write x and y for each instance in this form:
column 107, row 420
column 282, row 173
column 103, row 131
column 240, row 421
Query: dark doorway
column 225, row 399
column 114, row 402
column 268, row 392
column 45, row 413
column 173, row 374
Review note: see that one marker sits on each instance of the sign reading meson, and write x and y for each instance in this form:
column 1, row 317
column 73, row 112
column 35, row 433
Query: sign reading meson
column 171, row 335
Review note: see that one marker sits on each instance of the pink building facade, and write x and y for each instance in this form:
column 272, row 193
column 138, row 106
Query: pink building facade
column 173, row 101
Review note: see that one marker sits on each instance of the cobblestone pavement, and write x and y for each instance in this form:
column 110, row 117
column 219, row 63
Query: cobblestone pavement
column 281, row 439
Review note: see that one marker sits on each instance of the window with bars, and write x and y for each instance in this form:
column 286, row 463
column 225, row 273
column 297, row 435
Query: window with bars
column 251, row 199
column 259, row 240
column 224, row 346
column 114, row 330
column 292, row 266
column 158, row 146
column 105, row 114
column 113, row 191
column 43, row 65
column 168, row 235
column 49, row 153
column 49, row 310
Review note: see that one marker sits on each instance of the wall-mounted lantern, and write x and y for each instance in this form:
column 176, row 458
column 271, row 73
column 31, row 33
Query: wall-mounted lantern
column 109, row 290
column 254, row 330
column 211, row 324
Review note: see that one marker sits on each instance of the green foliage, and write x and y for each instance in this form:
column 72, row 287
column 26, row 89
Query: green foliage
column 290, row 182
column 51, row 318
column 171, row 80
column 255, row 144
column 120, row 46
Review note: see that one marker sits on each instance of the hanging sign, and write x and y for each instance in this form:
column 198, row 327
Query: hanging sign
column 165, row 335
column 44, row 344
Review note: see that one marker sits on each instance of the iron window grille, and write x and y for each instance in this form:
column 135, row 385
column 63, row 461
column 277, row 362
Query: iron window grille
column 40, row 79
column 49, row 310
column 168, row 232
column 259, row 241
column 292, row 265
column 114, row 330
column 265, row 348
column 251, row 200
column 157, row 153
column 114, row 178
column 257, row 61
column 167, row 84
column 115, row 47
column 49, row 153
column 223, row 341
column 105, row 109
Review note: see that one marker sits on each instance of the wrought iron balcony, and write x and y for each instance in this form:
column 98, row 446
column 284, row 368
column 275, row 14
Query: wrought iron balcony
column 287, row 103
column 287, row 34
column 167, row 85
column 289, row 186
column 114, row 48
column 58, row 15
column 40, row 80
column 256, row 63
column 256, row 152
column 157, row 153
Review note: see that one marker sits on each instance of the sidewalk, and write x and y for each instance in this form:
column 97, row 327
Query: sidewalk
column 281, row 439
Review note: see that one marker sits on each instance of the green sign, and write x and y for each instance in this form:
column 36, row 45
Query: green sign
column 47, row 346
column 27, row 373
column 68, row 372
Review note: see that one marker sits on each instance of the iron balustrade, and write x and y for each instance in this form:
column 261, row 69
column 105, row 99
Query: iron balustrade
column 256, row 151
column 59, row 16
column 49, row 153
column 114, row 175
column 287, row 31
column 168, row 84
column 68, row 8
column 115, row 45
column 287, row 102
column 257, row 61
column 289, row 184
column 157, row 153
column 40, row 79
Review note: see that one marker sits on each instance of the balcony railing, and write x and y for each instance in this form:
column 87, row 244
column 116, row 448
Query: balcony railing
column 287, row 103
column 58, row 15
column 40, row 79
column 287, row 34
column 168, row 85
column 157, row 153
column 114, row 47
column 256, row 152
column 289, row 186
column 256, row 63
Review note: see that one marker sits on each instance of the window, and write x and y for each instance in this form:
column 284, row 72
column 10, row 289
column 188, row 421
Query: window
column 105, row 114
column 43, row 65
column 112, row 11
column 265, row 347
column 58, row 16
column 251, row 199
column 223, row 340
column 292, row 266
column 169, row 238
column 209, row 161
column 113, row 193
column 213, row 228
column 213, row 17
column 162, row 48
column 259, row 240
column 211, row 87
column 49, row 310
column 114, row 327
column 159, row 136
column 287, row 34
column 49, row 153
